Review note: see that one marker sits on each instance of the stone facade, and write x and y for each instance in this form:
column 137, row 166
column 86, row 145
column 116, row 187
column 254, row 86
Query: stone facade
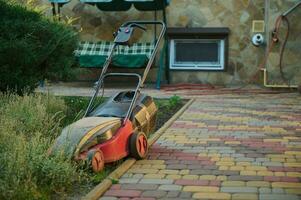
column 291, row 57
column 237, row 15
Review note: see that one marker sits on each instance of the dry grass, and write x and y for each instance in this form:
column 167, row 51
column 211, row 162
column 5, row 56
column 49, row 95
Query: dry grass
column 28, row 125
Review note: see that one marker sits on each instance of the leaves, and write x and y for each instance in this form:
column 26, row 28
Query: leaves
column 33, row 48
column 28, row 127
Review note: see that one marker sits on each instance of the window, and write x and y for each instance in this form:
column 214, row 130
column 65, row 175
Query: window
column 197, row 54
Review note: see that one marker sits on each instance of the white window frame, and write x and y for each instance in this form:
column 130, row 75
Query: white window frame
column 198, row 65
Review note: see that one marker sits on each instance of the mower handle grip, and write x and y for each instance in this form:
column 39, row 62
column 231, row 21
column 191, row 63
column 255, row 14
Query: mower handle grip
column 138, row 26
column 144, row 23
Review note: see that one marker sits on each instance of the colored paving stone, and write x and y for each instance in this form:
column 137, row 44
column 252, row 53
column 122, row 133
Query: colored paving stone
column 154, row 176
column 223, row 147
column 123, row 193
column 239, row 189
column 170, row 187
column 278, row 197
column 233, row 183
column 200, row 189
column 244, row 196
column 204, row 195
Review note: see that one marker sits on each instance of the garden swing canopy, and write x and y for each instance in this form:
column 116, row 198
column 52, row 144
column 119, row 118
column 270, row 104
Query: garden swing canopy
column 135, row 56
column 94, row 54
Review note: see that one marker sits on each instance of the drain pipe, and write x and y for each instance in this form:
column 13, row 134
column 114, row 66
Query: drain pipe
column 264, row 70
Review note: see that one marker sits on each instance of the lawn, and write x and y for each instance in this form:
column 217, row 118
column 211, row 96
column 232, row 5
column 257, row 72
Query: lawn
column 28, row 126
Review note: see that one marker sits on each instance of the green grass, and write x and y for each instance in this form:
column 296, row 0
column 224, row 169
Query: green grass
column 76, row 107
column 28, row 126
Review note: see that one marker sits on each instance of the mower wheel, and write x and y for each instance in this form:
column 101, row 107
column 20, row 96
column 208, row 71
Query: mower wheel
column 96, row 160
column 138, row 145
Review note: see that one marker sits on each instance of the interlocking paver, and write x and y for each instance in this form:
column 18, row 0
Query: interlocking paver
column 278, row 197
column 233, row 183
column 139, row 186
column 224, row 147
column 156, row 181
column 204, row 195
column 239, row 189
column 123, row 193
column 170, row 187
column 157, row 194
column 172, row 194
column 244, row 196
column 200, row 189
column 265, row 190
column 258, row 184
column 128, row 180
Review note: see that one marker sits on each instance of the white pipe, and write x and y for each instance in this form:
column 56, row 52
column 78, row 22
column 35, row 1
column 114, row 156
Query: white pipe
column 274, row 85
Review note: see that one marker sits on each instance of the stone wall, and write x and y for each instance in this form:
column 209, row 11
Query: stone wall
column 235, row 14
column 291, row 57
column 244, row 58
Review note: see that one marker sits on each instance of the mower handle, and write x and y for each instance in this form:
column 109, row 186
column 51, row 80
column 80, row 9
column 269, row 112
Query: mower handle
column 123, row 74
column 144, row 23
column 138, row 26
column 129, row 112
column 152, row 57
column 148, row 66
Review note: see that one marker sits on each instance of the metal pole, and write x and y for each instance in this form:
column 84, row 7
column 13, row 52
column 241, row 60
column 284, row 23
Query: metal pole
column 59, row 11
column 53, row 10
column 166, row 49
column 267, row 26
column 155, row 27
column 291, row 9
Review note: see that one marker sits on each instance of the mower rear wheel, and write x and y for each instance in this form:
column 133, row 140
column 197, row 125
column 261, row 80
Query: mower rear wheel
column 138, row 145
column 96, row 159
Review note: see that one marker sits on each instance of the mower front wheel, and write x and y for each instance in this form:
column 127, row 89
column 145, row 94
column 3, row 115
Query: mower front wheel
column 96, row 160
column 138, row 145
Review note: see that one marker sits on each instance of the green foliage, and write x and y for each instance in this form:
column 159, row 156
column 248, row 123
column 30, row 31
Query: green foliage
column 166, row 108
column 76, row 107
column 174, row 101
column 29, row 125
column 33, row 48
column 170, row 104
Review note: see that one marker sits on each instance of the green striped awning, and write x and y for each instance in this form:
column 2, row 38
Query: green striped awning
column 94, row 54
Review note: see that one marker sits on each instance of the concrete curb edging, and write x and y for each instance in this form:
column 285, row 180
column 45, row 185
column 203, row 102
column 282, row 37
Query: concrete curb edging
column 102, row 187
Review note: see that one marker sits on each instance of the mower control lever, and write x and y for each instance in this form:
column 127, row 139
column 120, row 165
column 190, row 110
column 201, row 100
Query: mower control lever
column 124, row 33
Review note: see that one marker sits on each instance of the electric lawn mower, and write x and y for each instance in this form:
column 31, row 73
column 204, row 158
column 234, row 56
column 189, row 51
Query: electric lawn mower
column 119, row 127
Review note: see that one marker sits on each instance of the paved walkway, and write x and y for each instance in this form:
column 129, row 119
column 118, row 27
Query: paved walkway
column 188, row 91
column 223, row 147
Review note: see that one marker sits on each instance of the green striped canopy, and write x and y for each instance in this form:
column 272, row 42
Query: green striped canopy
column 94, row 55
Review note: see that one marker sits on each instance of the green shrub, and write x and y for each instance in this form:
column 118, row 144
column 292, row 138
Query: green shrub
column 28, row 127
column 174, row 101
column 33, row 48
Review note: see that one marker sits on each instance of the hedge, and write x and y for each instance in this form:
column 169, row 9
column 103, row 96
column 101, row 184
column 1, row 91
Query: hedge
column 32, row 48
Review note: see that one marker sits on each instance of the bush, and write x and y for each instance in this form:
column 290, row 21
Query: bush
column 29, row 125
column 32, row 48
